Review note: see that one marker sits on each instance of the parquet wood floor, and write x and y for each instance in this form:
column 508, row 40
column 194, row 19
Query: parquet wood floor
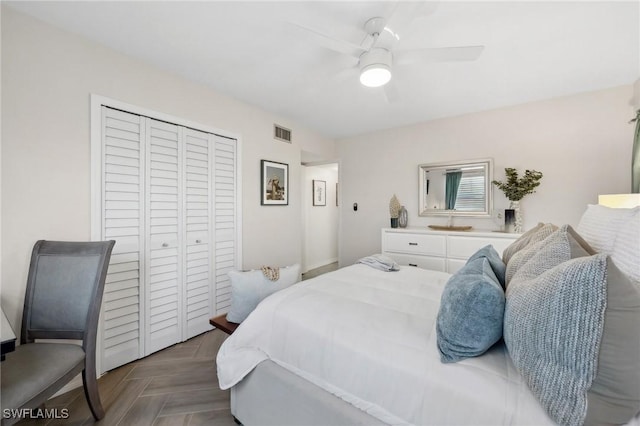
column 175, row 386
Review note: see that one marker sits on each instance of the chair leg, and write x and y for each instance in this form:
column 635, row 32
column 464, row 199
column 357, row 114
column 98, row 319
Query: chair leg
column 91, row 393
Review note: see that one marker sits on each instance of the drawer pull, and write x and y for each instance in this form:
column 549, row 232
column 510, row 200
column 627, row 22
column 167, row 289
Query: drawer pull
column 413, row 264
column 413, row 244
column 198, row 241
column 165, row 244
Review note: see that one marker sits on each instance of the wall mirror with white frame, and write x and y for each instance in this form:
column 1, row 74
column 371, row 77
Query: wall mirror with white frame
column 456, row 188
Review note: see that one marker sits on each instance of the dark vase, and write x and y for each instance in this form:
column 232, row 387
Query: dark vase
column 394, row 222
column 403, row 218
column 509, row 220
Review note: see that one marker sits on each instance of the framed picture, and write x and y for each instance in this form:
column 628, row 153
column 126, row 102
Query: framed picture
column 274, row 185
column 319, row 193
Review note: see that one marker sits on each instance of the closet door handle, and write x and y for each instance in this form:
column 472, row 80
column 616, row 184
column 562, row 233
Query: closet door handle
column 165, row 244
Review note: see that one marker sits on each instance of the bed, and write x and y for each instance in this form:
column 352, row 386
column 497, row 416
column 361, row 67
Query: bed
column 359, row 346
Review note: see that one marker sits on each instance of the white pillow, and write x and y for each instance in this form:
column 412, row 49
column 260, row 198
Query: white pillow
column 250, row 287
column 599, row 225
column 626, row 248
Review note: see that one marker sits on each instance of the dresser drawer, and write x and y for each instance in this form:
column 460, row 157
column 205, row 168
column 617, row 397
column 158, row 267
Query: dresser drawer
column 463, row 247
column 454, row 265
column 424, row 262
column 415, row 243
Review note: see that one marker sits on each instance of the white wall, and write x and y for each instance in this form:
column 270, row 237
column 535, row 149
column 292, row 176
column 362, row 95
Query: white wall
column 320, row 222
column 47, row 78
column 581, row 143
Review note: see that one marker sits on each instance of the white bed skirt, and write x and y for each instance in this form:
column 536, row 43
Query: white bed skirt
column 273, row 396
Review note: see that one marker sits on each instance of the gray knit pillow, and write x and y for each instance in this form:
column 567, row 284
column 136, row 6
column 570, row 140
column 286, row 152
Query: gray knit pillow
column 614, row 397
column 571, row 329
column 577, row 247
column 538, row 233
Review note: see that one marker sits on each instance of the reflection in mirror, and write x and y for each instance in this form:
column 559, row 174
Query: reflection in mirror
column 460, row 188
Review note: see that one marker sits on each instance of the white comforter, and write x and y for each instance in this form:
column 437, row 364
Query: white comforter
column 369, row 337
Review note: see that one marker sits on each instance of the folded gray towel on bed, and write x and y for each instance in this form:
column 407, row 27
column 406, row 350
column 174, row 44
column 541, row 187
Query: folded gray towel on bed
column 378, row 261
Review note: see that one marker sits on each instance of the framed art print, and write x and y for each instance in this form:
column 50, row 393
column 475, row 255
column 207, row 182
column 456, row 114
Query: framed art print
column 274, row 185
column 319, row 193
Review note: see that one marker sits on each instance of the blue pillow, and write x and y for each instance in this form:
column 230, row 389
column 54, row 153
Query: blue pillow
column 471, row 312
column 498, row 266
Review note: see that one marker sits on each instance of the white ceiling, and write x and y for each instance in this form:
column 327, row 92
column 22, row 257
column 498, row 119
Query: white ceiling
column 252, row 52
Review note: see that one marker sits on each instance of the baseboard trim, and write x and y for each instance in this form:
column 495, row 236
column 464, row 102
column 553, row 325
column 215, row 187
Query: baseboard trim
column 320, row 264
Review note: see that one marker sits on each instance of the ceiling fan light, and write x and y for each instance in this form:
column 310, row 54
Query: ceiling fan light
column 375, row 75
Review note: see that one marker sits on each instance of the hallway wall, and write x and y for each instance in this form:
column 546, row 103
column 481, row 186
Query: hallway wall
column 320, row 240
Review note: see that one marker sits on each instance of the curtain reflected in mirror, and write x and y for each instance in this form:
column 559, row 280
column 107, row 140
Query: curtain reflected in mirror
column 451, row 188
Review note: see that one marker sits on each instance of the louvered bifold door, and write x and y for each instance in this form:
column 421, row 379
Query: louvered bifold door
column 225, row 189
column 198, row 286
column 169, row 196
column 163, row 325
column 122, row 221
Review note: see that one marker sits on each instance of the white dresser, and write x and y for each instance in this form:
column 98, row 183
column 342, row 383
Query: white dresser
column 439, row 250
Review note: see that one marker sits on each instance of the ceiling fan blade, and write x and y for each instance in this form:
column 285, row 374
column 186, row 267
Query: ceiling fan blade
column 344, row 75
column 398, row 22
column 437, row 54
column 391, row 92
column 324, row 40
column 322, row 78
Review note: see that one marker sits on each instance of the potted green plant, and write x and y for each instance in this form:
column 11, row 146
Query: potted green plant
column 515, row 188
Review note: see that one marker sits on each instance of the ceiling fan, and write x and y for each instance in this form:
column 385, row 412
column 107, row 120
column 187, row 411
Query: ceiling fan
column 378, row 53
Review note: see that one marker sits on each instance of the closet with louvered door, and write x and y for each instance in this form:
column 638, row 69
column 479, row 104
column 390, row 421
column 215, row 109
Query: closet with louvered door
column 169, row 199
column 226, row 204
column 164, row 236
column 198, row 278
column 122, row 219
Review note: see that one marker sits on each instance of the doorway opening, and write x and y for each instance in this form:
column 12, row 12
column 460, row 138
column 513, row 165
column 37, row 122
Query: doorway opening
column 320, row 212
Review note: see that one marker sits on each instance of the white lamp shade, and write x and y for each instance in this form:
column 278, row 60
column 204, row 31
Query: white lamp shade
column 620, row 201
column 375, row 75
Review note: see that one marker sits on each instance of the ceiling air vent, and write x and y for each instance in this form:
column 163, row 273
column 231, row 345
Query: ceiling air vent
column 281, row 133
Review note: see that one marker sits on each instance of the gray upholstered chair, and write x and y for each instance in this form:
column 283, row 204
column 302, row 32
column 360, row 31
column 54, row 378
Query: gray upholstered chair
column 62, row 301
